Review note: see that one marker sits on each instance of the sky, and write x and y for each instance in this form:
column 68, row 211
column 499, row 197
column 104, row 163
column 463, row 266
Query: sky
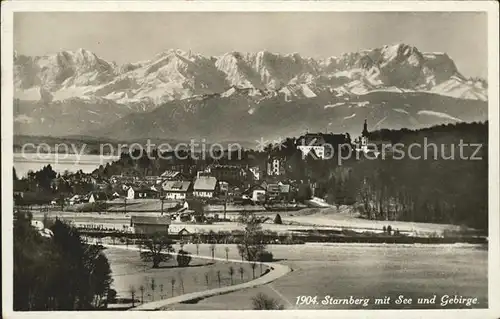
column 133, row 36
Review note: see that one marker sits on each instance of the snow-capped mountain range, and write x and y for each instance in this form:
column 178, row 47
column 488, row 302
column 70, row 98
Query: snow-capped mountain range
column 79, row 93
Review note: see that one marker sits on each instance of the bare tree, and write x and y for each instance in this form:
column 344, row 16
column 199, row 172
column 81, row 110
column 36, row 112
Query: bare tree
column 253, row 265
column 141, row 288
column 206, row 278
column 161, row 291
column 181, row 282
column 231, row 273
column 172, row 282
column 227, row 253
column 212, row 250
column 241, row 270
column 218, row 277
column 132, row 292
column 197, row 248
column 153, row 287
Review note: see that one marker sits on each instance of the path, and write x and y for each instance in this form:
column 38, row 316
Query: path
column 276, row 271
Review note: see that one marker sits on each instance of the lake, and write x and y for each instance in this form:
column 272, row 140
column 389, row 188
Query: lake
column 59, row 162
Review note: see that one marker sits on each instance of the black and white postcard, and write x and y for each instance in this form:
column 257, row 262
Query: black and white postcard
column 312, row 159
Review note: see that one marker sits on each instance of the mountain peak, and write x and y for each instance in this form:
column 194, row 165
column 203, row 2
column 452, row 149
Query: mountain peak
column 178, row 74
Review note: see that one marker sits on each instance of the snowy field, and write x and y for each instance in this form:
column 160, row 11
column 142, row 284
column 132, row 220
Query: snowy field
column 367, row 271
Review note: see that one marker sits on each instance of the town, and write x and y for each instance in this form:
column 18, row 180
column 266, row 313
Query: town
column 283, row 177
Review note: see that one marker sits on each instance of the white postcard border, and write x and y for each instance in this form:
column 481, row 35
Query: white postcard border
column 491, row 7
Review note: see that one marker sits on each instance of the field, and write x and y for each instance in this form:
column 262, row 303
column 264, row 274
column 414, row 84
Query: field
column 129, row 271
column 367, row 271
column 140, row 205
column 307, row 219
column 344, row 218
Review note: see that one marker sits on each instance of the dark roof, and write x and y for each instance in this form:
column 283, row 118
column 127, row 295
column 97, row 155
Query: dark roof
column 169, row 174
column 100, row 195
column 143, row 189
column 318, row 139
column 176, row 186
column 310, row 140
column 149, row 220
column 184, row 231
column 254, row 187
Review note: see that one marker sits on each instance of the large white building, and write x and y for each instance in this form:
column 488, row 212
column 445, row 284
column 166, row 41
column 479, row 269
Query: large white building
column 205, row 186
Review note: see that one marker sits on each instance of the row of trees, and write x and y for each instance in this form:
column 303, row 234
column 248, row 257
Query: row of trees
column 177, row 283
column 157, row 248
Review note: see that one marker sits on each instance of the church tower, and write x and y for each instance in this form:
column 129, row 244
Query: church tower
column 365, row 130
column 364, row 136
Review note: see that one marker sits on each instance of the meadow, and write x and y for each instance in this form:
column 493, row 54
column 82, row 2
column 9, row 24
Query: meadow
column 367, row 271
column 129, row 271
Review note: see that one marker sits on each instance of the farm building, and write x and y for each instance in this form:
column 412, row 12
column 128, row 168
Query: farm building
column 150, row 224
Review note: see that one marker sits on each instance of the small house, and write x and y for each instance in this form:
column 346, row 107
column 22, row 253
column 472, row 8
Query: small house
column 141, row 193
column 176, row 189
column 98, row 197
column 256, row 193
column 150, row 224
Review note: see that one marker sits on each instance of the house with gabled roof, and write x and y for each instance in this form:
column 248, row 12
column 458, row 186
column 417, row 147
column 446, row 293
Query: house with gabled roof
column 95, row 197
column 149, row 224
column 256, row 192
column 205, row 186
column 141, row 193
column 176, row 189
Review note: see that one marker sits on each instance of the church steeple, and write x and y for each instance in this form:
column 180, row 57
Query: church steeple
column 365, row 130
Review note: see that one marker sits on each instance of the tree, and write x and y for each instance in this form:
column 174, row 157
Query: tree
column 172, row 282
column 183, row 258
column 199, row 209
column 252, row 243
column 218, row 277
column 158, row 249
column 161, row 291
column 304, row 192
column 181, row 282
column 264, row 302
column 206, row 278
column 14, row 174
column 142, row 289
column 227, row 253
column 153, row 287
column 277, row 219
column 231, row 273
column 241, row 270
column 212, row 250
column 253, row 265
column 132, row 292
